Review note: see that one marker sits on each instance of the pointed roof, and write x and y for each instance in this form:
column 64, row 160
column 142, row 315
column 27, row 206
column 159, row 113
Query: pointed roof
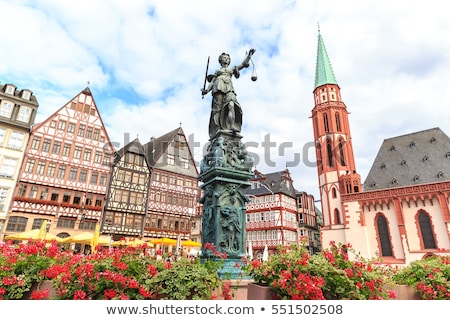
column 157, row 146
column 411, row 159
column 134, row 146
column 324, row 71
column 275, row 182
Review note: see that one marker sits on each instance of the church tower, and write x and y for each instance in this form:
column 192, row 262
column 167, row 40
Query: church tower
column 334, row 151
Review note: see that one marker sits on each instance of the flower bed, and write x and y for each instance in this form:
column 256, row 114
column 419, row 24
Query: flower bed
column 129, row 273
column 107, row 274
column 292, row 273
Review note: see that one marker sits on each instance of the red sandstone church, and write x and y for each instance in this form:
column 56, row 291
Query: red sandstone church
column 401, row 212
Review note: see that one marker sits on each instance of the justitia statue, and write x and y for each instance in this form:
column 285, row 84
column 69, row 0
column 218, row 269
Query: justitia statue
column 225, row 169
column 226, row 112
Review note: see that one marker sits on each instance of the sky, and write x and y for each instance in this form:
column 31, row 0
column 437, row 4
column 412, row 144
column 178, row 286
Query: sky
column 145, row 63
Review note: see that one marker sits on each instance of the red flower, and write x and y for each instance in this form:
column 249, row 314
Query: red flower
column 79, row 295
column 39, row 295
column 109, row 294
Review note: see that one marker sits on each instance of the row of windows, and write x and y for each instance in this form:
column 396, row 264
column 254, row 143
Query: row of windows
column 52, row 170
column 132, row 158
column 172, row 198
column 173, row 179
column 132, row 177
column 11, row 89
column 19, row 224
column 82, row 131
column 48, row 194
column 14, row 141
column 426, row 233
column 127, row 196
column 65, row 149
column 262, row 235
column 337, row 118
column 330, row 153
column 263, row 216
column 170, row 160
column 271, row 216
column 23, row 114
column 168, row 223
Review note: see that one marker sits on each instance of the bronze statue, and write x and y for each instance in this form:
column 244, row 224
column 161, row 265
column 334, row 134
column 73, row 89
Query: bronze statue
column 226, row 112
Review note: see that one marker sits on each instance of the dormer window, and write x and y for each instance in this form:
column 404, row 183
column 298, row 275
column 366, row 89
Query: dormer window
column 412, row 144
column 425, row 158
column 433, row 140
column 394, row 181
column 416, row 178
column 403, row 162
column 392, row 148
column 26, row 94
column 373, row 184
column 448, row 155
column 440, row 175
column 9, row 89
column 383, row 166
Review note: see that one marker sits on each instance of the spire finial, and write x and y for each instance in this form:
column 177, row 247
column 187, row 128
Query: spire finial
column 180, row 124
column 318, row 27
column 88, row 83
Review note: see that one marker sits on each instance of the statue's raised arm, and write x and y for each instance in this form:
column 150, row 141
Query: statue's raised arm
column 246, row 62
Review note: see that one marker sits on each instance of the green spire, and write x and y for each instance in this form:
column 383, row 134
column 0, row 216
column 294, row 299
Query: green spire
column 324, row 72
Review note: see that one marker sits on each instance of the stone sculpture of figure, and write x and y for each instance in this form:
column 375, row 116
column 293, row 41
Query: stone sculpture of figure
column 208, row 220
column 231, row 229
column 226, row 112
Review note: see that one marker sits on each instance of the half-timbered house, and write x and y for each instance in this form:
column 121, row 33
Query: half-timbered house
column 65, row 170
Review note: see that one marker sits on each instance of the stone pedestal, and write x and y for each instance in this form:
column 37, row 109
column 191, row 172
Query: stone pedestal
column 224, row 172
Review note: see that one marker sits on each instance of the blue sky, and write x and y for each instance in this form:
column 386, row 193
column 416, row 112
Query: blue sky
column 145, row 63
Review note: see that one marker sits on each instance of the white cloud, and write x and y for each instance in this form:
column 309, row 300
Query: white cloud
column 145, row 62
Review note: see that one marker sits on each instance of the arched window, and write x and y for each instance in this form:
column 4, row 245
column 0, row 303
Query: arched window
column 329, row 154
column 383, row 235
column 325, row 123
column 337, row 216
column 426, row 231
column 320, row 158
column 333, row 193
column 341, row 153
column 338, row 122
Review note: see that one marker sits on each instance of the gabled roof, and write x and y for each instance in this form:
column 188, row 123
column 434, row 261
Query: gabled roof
column 324, row 71
column 411, row 159
column 275, row 182
column 156, row 147
column 134, row 146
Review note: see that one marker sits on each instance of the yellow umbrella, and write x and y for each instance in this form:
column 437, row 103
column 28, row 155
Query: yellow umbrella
column 164, row 241
column 131, row 243
column 34, row 235
column 190, row 243
column 43, row 230
column 95, row 238
column 87, row 238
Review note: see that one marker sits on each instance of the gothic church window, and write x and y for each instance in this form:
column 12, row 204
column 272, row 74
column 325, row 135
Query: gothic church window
column 383, row 235
column 341, row 153
column 426, row 231
column 325, row 123
column 329, row 154
column 338, row 122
